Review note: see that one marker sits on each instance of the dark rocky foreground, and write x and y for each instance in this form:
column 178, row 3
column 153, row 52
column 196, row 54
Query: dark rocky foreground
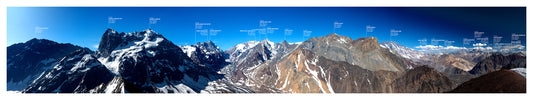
column 501, row 81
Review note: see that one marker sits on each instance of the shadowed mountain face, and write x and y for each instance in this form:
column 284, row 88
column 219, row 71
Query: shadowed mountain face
column 205, row 54
column 501, row 81
column 76, row 72
column 422, row 80
column 498, row 61
column 457, row 65
column 26, row 61
column 461, row 59
column 457, row 75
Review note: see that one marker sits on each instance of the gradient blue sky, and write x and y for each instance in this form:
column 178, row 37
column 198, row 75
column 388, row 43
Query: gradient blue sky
column 84, row 26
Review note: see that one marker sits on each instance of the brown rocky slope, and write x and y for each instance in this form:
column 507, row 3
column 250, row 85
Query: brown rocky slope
column 501, row 81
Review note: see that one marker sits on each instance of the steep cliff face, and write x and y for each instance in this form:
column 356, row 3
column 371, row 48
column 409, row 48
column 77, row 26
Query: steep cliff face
column 109, row 41
column 501, row 81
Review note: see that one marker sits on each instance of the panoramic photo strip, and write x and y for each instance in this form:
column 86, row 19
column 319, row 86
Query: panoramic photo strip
column 280, row 50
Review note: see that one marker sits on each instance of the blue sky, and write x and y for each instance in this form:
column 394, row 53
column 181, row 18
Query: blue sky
column 84, row 26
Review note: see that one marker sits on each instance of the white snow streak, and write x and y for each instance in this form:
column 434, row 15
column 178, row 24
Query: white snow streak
column 188, row 50
column 329, row 85
column 286, row 81
column 341, row 40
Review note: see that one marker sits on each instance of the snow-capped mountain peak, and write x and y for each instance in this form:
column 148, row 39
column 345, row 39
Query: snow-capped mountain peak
column 151, row 63
column 270, row 43
column 110, row 30
column 114, row 46
column 237, row 50
column 246, row 45
column 403, row 51
column 205, row 54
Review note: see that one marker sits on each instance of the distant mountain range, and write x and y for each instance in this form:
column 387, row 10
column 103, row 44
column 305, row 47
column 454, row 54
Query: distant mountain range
column 146, row 62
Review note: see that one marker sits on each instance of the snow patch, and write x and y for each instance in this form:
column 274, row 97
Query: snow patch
column 83, row 64
column 278, row 74
column 298, row 43
column 149, row 44
column 245, row 46
column 113, row 85
column 342, row 40
column 312, row 72
column 213, row 86
column 329, row 85
column 286, row 80
column 184, row 88
column 111, row 65
column 315, row 77
column 271, row 44
column 188, row 50
column 151, row 53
